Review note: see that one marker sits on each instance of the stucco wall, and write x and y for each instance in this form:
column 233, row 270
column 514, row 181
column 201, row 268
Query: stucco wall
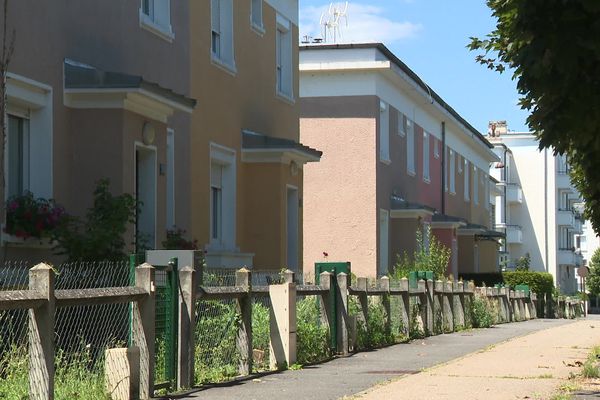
column 340, row 208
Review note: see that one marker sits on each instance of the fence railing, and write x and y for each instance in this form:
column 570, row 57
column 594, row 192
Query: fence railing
column 430, row 307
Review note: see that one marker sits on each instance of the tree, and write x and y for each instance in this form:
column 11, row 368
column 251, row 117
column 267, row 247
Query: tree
column 553, row 48
column 593, row 279
column 8, row 48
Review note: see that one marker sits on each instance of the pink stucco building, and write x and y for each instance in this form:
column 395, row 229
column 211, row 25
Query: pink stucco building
column 396, row 158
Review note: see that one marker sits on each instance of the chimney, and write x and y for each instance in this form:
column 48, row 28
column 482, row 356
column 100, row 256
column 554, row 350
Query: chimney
column 497, row 128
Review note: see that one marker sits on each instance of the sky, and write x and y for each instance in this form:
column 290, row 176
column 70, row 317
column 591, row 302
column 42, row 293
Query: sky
column 431, row 36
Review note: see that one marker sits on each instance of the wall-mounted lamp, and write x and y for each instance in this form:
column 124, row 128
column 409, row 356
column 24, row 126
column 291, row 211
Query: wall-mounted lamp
column 148, row 133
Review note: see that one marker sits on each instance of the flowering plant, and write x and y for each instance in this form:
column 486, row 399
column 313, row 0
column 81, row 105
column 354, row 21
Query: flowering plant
column 28, row 217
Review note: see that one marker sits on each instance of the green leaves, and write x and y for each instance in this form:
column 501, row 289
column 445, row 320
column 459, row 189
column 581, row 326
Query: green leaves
column 553, row 47
column 593, row 279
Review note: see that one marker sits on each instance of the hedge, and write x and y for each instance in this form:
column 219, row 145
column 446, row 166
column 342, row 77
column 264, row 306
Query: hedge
column 539, row 282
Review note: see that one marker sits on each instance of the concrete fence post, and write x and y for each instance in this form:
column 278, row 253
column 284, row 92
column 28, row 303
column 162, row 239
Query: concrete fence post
column 186, row 336
column 41, row 334
column 288, row 276
column 458, row 307
column 326, row 302
column 406, row 311
column 423, row 306
column 243, row 279
column 143, row 334
column 447, row 306
column 429, row 328
column 384, row 284
column 343, row 318
column 363, row 299
column 283, row 325
column 438, row 301
column 522, row 305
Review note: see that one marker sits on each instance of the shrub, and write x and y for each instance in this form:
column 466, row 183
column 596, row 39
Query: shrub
column 481, row 314
column 176, row 240
column 483, row 279
column 539, row 282
column 313, row 337
column 100, row 235
column 593, row 280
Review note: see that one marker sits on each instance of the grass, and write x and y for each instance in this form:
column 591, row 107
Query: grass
column 590, row 366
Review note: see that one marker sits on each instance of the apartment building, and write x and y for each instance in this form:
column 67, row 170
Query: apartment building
column 99, row 90
column 396, row 159
column 538, row 208
column 247, row 163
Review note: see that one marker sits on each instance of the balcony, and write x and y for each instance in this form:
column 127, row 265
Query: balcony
column 566, row 257
column 563, row 180
column 578, row 230
column 565, row 218
column 514, row 233
column 514, row 193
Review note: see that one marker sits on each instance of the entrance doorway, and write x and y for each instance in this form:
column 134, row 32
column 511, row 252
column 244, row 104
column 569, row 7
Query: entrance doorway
column 292, row 228
column 145, row 193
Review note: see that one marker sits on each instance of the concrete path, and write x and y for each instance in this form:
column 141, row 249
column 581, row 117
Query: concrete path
column 353, row 375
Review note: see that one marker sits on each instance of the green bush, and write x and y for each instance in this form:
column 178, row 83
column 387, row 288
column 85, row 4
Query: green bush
column 313, row 337
column 372, row 334
column 539, row 282
column 260, row 334
column 481, row 314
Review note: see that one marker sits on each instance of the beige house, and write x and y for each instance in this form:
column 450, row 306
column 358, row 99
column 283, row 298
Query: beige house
column 188, row 105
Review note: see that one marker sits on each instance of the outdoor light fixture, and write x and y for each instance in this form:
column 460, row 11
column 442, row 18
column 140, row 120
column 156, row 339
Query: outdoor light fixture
column 148, row 133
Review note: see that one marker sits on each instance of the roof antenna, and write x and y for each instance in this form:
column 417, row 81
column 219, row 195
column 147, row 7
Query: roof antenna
column 330, row 21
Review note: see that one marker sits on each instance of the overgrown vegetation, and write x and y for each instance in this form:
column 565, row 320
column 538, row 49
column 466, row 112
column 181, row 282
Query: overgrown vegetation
column 590, row 366
column 593, row 279
column 430, row 255
column 539, row 282
column 481, row 313
column 100, row 235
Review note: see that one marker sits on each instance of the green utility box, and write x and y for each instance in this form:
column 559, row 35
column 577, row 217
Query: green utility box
column 524, row 288
column 415, row 276
column 335, row 268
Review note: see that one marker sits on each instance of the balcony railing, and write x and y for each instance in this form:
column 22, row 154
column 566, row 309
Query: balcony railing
column 565, row 217
column 514, row 193
column 514, row 233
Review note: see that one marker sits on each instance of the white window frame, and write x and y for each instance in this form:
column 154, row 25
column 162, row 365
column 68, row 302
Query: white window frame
column 157, row 18
column 436, row 147
column 256, row 16
column 410, row 149
column 475, row 186
column 33, row 99
column 460, row 161
column 467, row 181
column 384, row 132
column 426, row 157
column 384, row 242
column 402, row 124
column 221, row 25
column 225, row 158
column 452, row 172
column 284, row 74
column 446, row 167
column 23, row 154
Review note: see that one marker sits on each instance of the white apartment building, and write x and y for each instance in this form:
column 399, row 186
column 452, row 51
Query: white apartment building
column 538, row 208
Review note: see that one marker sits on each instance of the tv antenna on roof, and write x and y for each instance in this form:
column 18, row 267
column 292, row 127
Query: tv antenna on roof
column 330, row 21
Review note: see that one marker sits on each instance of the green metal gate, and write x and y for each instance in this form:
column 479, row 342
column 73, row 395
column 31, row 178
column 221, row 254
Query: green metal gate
column 167, row 300
column 335, row 268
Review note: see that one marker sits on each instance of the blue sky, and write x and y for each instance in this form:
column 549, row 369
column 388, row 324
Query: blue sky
column 430, row 37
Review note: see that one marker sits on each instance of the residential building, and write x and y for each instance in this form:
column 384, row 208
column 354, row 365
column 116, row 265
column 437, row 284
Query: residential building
column 247, row 164
column 109, row 90
column 99, row 90
column 396, row 159
column 538, row 209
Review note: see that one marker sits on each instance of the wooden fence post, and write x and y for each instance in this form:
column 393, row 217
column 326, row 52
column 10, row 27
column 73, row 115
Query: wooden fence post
column 384, row 284
column 342, row 318
column 243, row 279
column 186, row 334
column 143, row 334
column 41, row 334
column 406, row 311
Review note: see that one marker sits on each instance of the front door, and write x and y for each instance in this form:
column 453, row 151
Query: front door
column 145, row 193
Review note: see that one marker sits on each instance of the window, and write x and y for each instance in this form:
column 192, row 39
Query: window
column 402, row 124
column 452, row 172
column 256, row 15
column 446, row 171
column 460, row 162
column 221, row 12
column 467, row 181
column 283, row 64
column 475, row 186
column 384, row 132
column 487, row 183
column 222, row 198
column 426, row 152
column 410, row 148
column 18, row 155
column 436, row 148
column 155, row 15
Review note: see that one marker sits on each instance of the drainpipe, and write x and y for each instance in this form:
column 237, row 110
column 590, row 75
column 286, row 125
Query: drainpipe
column 443, row 191
column 546, row 213
column 505, row 205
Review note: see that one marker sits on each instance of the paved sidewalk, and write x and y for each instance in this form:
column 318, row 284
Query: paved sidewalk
column 529, row 367
column 352, row 375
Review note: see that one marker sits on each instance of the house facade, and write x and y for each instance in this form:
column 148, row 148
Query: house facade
column 539, row 209
column 188, row 105
column 85, row 104
column 396, row 159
